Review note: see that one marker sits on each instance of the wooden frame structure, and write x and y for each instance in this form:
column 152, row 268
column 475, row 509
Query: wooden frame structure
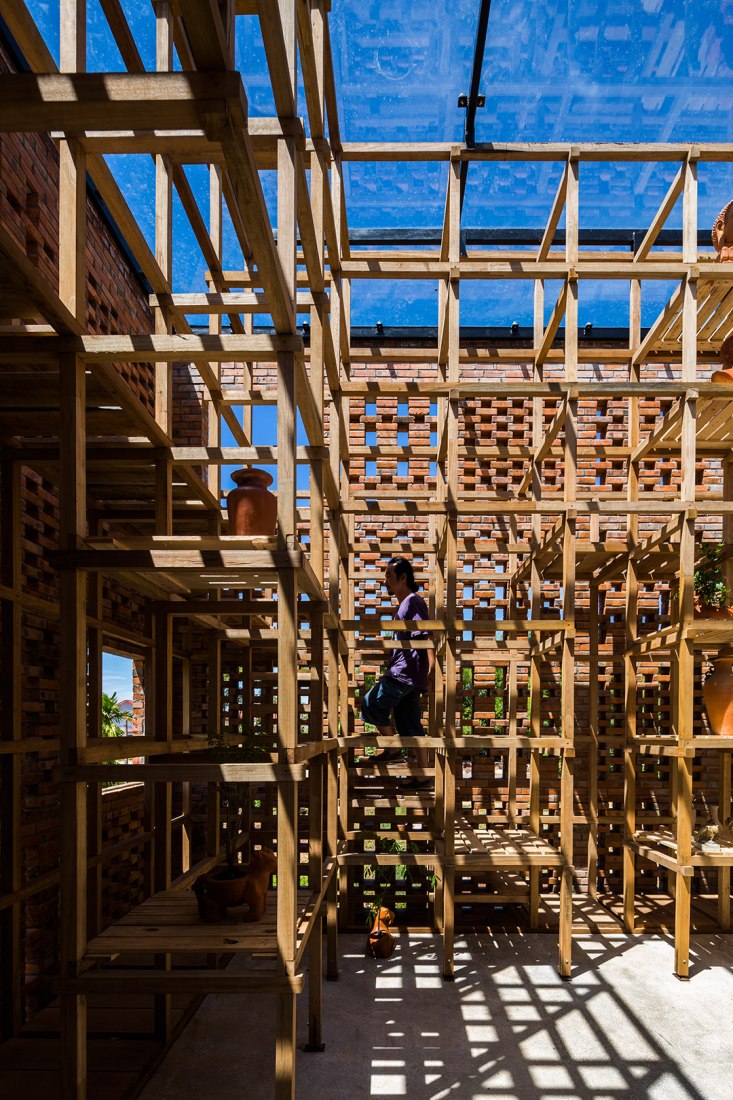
column 298, row 597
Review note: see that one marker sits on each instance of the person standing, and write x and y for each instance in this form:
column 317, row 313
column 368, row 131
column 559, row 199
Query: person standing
column 409, row 672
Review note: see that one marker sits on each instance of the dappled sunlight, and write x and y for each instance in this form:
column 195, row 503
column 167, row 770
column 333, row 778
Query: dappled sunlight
column 507, row 1028
column 510, row 1028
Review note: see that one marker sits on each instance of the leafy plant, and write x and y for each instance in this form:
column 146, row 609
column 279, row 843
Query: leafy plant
column 112, row 715
column 387, row 877
column 710, row 586
column 234, row 796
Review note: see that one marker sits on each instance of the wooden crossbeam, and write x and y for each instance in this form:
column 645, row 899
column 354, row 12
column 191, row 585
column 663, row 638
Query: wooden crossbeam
column 147, row 348
column 668, row 202
column 657, row 330
column 558, row 422
column 104, row 101
column 669, row 421
column 554, row 219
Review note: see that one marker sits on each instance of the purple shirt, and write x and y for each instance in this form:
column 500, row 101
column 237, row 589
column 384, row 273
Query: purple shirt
column 410, row 666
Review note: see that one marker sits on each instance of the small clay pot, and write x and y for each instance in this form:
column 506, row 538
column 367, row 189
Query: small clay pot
column 216, row 891
column 726, row 359
column 711, row 611
column 718, row 695
column 380, row 943
column 251, row 507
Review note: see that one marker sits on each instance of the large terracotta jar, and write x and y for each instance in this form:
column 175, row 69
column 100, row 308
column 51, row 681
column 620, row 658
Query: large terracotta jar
column 723, row 234
column 725, row 374
column 251, row 507
column 718, row 695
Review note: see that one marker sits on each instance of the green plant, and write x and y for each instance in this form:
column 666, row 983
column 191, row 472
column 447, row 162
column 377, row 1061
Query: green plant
column 112, row 715
column 387, row 877
column 710, row 586
column 234, row 796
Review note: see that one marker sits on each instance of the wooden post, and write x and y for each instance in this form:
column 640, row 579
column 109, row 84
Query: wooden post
column 535, row 661
column 94, row 727
column 287, row 626
column 73, row 699
column 72, row 173
column 725, row 757
column 452, row 321
column 11, row 732
column 594, row 731
column 686, row 657
column 570, row 474
column 631, row 618
column 315, row 836
column 163, row 222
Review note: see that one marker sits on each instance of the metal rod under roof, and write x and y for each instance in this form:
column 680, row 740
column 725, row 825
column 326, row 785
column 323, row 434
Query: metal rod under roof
column 469, row 133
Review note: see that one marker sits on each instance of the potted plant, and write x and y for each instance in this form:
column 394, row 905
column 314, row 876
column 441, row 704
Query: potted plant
column 712, row 595
column 226, row 883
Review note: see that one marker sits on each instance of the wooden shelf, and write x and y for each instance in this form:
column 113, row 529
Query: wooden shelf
column 168, row 923
column 182, row 565
column 660, row 846
column 482, row 847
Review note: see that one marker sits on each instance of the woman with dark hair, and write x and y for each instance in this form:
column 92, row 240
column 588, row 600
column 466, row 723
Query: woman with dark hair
column 408, row 673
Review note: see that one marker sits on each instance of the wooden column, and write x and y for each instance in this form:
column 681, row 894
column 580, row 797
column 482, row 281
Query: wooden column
column 450, row 368
column 725, row 758
column 11, row 732
column 315, row 834
column 72, row 173
column 73, row 703
column 287, row 613
column 95, row 609
column 535, row 603
column 187, row 827
column 162, row 795
column 570, row 477
column 686, row 658
column 632, row 621
column 163, row 222
column 594, row 732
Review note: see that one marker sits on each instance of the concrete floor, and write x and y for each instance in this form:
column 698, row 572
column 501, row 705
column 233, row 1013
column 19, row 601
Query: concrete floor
column 507, row 1029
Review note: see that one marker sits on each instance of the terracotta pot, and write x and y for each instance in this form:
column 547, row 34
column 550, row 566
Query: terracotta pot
column 215, row 893
column 710, row 611
column 251, row 507
column 726, row 359
column 723, row 234
column 718, row 695
column 380, row 943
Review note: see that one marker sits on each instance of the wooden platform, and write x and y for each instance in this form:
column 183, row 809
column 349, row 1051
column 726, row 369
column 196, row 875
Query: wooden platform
column 501, row 846
column 122, row 1049
column 660, row 846
column 169, row 923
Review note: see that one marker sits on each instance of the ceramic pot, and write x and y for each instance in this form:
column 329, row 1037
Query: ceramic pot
column 723, row 234
column 251, row 507
column 215, row 893
column 380, row 944
column 710, row 611
column 726, row 359
column 718, row 695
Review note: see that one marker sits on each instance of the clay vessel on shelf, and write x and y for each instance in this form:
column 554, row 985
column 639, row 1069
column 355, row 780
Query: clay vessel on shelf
column 711, row 611
column 718, row 695
column 725, row 374
column 251, row 507
column 380, row 943
column 723, row 234
column 217, row 890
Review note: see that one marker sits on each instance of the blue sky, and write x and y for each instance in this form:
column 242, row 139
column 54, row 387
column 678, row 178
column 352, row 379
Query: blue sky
column 117, row 676
column 563, row 70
